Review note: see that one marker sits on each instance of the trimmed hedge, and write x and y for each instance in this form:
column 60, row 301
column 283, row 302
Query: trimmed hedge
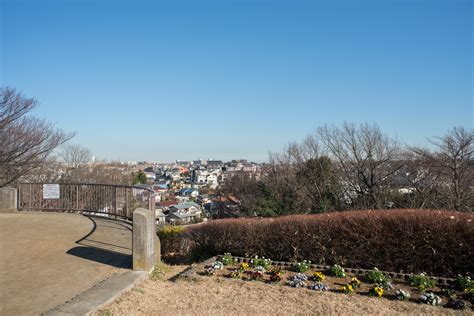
column 411, row 241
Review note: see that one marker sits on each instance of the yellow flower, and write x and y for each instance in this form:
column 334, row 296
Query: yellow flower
column 379, row 291
column 355, row 282
column 347, row 288
column 376, row 291
column 318, row 276
column 244, row 266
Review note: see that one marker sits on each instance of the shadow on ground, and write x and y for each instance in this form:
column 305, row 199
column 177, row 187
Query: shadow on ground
column 109, row 242
column 111, row 258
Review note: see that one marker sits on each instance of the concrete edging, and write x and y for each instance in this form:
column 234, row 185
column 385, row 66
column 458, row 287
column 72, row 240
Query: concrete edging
column 393, row 275
column 99, row 295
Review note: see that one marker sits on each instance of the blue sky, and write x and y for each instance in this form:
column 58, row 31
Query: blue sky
column 165, row 80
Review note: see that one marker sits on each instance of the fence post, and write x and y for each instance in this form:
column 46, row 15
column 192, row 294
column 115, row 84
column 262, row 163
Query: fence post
column 143, row 240
column 8, row 200
column 115, row 201
column 77, row 197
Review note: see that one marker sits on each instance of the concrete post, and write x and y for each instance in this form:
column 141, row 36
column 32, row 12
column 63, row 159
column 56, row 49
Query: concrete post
column 8, row 200
column 144, row 234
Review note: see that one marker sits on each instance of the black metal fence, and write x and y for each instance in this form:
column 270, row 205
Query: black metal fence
column 98, row 199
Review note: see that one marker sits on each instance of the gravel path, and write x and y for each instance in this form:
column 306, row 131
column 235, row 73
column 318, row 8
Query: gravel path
column 48, row 258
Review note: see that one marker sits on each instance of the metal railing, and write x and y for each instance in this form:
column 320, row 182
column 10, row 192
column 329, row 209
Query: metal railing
column 99, row 199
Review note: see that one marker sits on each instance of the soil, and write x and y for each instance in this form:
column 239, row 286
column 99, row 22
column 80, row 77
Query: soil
column 334, row 283
column 218, row 294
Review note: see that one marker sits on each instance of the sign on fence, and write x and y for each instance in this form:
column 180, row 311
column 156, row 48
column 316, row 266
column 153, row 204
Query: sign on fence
column 50, row 191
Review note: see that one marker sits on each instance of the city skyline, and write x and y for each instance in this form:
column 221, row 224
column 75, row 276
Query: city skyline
column 163, row 81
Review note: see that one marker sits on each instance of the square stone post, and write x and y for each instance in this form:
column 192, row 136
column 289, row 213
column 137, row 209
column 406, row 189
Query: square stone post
column 8, row 200
column 144, row 235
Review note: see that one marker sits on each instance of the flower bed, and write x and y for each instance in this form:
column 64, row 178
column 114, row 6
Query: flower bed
column 372, row 283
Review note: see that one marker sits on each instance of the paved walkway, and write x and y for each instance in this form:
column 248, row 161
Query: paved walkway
column 48, row 258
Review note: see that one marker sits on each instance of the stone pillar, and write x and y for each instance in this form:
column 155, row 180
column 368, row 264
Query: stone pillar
column 8, row 200
column 144, row 234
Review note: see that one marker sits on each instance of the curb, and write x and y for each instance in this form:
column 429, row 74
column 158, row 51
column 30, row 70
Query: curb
column 99, row 295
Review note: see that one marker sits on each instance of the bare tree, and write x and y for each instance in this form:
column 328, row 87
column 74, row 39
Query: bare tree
column 452, row 165
column 368, row 159
column 26, row 141
column 415, row 184
column 75, row 155
column 103, row 173
column 304, row 178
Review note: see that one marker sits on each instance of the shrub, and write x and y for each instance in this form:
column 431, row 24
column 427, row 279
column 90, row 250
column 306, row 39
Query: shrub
column 402, row 295
column 244, row 266
column 376, row 291
column 355, row 282
column 275, row 275
column 469, row 294
column 263, row 262
column 172, row 240
column 375, row 276
column 430, row 299
column 275, row 278
column 319, row 286
column 227, row 259
column 257, row 273
column 346, row 288
column 449, row 292
column 302, row 266
column 412, row 241
column 236, row 274
column 422, row 282
column 338, row 271
column 456, row 304
column 210, row 271
column 464, row 283
column 218, row 265
column 298, row 280
column 318, row 276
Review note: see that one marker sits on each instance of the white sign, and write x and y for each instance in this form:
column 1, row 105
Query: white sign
column 50, row 191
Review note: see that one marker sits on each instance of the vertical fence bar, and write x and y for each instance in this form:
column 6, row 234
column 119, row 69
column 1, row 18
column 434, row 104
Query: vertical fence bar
column 115, row 201
column 31, row 196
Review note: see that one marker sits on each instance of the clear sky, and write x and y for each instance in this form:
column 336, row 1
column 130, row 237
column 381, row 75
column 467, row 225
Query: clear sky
column 165, row 80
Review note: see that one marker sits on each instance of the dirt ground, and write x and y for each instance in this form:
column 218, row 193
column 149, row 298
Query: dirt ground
column 218, row 296
column 49, row 258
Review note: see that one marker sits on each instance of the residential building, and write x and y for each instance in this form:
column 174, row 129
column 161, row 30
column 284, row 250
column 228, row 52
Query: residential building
column 184, row 213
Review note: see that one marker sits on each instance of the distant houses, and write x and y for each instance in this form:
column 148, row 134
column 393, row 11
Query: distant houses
column 185, row 190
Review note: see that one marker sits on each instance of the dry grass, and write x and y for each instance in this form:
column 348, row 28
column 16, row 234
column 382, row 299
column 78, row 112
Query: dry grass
column 218, row 296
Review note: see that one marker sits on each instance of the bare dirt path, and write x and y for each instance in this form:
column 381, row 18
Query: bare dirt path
column 48, row 258
column 218, row 296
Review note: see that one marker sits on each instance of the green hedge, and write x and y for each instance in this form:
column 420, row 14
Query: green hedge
column 436, row 242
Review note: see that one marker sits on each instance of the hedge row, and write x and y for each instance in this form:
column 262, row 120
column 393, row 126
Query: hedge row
column 436, row 242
